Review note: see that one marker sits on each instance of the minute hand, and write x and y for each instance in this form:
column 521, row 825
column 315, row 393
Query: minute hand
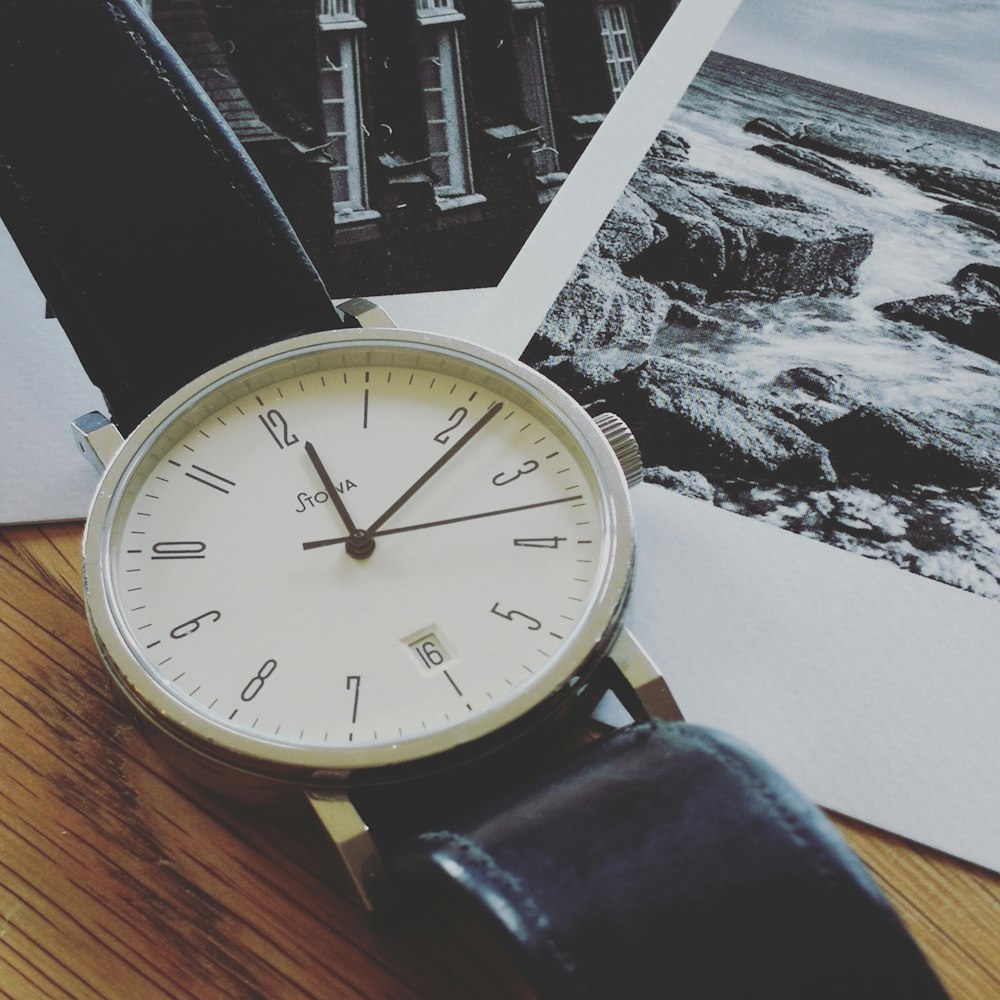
column 450, row 453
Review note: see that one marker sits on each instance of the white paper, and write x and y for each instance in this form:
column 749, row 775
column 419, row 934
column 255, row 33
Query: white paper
column 875, row 690
column 43, row 388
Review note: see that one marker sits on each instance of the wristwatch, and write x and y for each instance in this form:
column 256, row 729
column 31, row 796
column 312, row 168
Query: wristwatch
column 388, row 570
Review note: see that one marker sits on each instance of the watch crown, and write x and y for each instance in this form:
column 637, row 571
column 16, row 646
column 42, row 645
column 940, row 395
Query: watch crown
column 623, row 442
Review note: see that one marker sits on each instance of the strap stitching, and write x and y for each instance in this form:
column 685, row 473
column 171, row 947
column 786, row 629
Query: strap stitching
column 162, row 74
column 793, row 824
column 729, row 758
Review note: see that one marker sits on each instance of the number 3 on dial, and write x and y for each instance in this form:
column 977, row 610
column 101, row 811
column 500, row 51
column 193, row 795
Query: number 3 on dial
column 502, row 479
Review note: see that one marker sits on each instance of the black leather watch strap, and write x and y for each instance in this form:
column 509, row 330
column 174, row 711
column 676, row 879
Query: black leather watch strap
column 667, row 860
column 147, row 227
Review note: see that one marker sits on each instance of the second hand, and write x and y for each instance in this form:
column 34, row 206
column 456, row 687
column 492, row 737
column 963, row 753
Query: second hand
column 321, row 543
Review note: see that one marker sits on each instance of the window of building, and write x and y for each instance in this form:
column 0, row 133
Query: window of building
column 340, row 89
column 619, row 46
column 338, row 8
column 529, row 53
column 339, row 14
column 434, row 6
column 444, row 102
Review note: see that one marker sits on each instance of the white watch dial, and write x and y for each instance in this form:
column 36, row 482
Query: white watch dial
column 357, row 547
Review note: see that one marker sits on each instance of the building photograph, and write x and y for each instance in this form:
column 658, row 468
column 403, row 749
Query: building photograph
column 414, row 144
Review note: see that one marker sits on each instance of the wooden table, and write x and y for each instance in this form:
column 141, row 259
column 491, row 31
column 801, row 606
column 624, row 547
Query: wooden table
column 121, row 880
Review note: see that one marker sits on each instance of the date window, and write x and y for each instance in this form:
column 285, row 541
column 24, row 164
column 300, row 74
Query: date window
column 430, row 652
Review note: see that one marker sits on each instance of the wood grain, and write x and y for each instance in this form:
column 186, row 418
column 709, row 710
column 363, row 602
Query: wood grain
column 120, row 879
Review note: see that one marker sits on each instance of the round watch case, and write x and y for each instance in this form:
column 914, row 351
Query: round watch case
column 249, row 765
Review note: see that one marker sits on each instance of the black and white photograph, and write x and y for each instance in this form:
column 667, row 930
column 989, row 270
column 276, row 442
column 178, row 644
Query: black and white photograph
column 795, row 302
column 413, row 143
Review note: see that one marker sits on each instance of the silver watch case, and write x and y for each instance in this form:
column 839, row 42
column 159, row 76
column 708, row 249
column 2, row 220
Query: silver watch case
column 248, row 767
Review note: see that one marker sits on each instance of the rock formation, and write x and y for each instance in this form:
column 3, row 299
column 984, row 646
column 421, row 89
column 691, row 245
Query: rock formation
column 815, row 164
column 687, row 253
column 969, row 316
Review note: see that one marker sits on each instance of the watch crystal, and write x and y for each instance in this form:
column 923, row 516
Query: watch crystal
column 357, row 546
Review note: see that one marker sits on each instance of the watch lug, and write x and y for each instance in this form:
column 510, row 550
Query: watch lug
column 353, row 842
column 367, row 313
column 640, row 687
column 97, row 438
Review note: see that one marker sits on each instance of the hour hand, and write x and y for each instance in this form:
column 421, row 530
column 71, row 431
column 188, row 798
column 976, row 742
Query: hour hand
column 360, row 544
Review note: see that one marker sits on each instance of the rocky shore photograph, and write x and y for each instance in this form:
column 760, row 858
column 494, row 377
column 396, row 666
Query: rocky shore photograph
column 795, row 303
